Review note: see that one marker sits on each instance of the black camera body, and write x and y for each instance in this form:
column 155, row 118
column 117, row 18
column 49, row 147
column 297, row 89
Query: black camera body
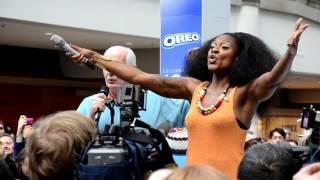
column 109, row 146
column 107, row 152
column 310, row 118
column 131, row 99
column 300, row 153
column 133, row 141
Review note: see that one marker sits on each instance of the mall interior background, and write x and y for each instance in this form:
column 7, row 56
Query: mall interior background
column 36, row 79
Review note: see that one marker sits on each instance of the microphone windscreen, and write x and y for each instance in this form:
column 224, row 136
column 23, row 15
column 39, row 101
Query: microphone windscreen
column 57, row 40
column 104, row 90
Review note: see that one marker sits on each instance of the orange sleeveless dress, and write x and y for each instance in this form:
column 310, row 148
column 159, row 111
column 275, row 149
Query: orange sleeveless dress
column 215, row 139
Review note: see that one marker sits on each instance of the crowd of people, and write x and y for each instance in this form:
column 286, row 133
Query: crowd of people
column 225, row 81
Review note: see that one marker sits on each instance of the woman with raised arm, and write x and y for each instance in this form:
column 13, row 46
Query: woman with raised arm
column 236, row 72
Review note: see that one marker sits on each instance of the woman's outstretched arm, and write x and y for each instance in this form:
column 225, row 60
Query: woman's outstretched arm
column 177, row 87
column 264, row 86
column 250, row 95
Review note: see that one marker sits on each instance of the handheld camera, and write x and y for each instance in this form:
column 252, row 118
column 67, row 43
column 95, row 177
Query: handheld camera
column 29, row 121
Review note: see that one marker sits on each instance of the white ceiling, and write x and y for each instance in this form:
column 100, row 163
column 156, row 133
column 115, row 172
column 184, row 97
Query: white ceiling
column 29, row 34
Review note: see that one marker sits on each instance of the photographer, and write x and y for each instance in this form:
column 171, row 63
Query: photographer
column 150, row 147
column 161, row 112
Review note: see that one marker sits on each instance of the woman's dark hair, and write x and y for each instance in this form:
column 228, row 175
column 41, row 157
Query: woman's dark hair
column 196, row 63
column 253, row 59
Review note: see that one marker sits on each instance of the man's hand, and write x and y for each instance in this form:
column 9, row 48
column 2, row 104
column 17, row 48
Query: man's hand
column 97, row 104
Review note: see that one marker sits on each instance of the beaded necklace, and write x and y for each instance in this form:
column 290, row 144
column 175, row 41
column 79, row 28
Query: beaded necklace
column 215, row 106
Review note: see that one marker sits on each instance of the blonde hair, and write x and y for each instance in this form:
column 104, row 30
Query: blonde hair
column 54, row 141
column 198, row 172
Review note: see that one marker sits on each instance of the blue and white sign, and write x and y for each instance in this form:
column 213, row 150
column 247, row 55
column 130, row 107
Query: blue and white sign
column 180, row 31
column 186, row 24
column 172, row 40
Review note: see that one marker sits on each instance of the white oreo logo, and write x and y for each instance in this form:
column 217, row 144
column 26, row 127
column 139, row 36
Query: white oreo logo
column 172, row 40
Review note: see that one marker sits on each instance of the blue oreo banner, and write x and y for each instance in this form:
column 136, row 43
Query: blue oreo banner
column 181, row 28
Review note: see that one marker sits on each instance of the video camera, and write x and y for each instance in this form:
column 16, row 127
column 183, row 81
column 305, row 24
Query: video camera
column 301, row 154
column 109, row 147
column 131, row 99
column 310, row 119
column 133, row 150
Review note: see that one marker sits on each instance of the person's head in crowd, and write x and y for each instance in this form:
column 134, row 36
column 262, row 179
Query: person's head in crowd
column 120, row 54
column 198, row 172
column 268, row 162
column 3, row 127
column 277, row 135
column 54, row 143
column 123, row 55
column 6, row 146
column 253, row 142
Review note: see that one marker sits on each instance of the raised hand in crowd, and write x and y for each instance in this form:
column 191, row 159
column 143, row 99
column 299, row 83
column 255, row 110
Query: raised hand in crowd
column 309, row 172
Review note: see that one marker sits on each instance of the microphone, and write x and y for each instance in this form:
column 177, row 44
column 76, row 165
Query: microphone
column 58, row 41
column 104, row 90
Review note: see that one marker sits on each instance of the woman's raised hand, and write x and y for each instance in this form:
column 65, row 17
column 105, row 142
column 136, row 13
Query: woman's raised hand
column 295, row 36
